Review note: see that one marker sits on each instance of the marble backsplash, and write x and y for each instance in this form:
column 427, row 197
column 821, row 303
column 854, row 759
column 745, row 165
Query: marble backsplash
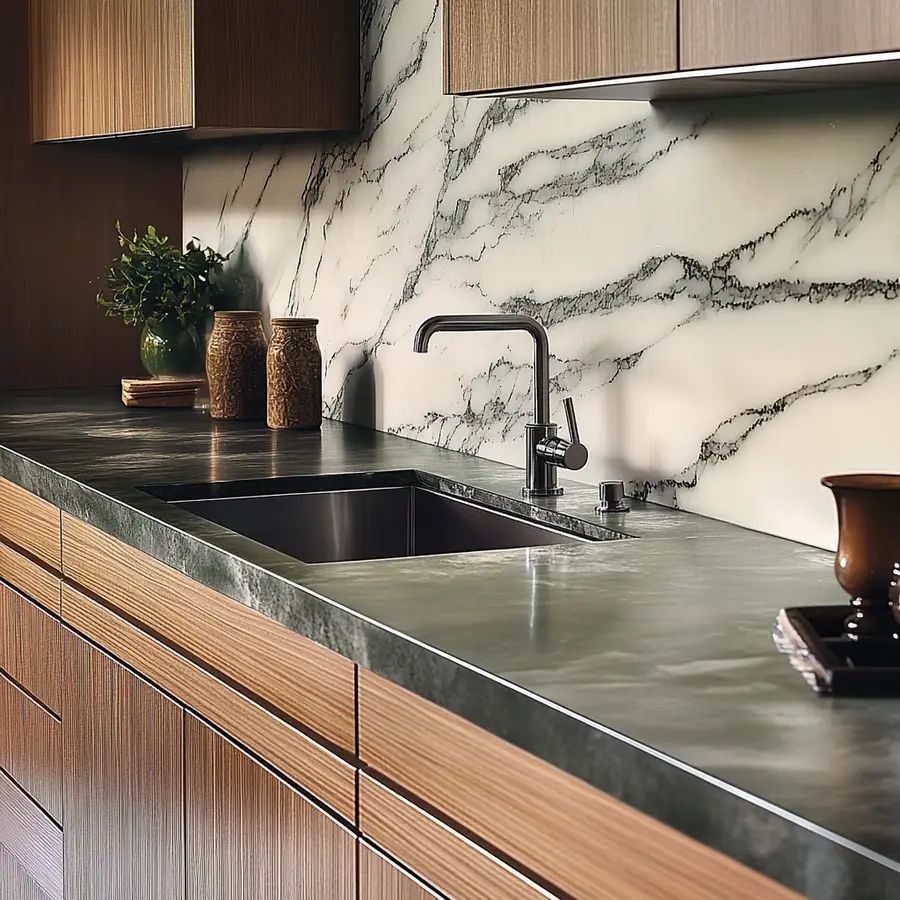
column 720, row 282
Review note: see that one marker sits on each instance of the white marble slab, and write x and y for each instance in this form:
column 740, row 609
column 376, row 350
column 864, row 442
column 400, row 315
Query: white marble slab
column 720, row 282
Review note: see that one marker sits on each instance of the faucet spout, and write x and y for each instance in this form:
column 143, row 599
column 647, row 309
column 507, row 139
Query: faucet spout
column 435, row 324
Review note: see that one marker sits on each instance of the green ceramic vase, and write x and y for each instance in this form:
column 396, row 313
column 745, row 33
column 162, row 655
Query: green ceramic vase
column 168, row 348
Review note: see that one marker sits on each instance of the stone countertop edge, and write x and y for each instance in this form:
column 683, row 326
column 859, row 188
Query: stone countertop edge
column 795, row 852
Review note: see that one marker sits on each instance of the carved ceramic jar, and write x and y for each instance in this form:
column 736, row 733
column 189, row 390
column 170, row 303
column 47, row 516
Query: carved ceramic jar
column 236, row 366
column 294, row 374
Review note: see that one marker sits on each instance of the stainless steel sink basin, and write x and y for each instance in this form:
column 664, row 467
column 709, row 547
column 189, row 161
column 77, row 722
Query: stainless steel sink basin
column 338, row 519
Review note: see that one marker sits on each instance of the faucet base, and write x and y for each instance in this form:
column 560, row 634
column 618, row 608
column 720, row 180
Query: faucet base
column 542, row 492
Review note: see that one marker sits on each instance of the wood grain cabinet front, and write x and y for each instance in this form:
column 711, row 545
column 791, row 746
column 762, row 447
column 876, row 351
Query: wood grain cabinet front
column 380, row 879
column 579, row 839
column 210, row 67
column 249, row 834
column 123, row 785
column 743, row 32
column 492, row 45
column 30, row 523
column 31, row 849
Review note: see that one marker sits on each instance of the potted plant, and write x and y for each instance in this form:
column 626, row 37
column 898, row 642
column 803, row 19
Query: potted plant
column 170, row 292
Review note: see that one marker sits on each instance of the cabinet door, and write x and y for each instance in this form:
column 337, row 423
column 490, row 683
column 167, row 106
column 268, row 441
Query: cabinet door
column 380, row 879
column 742, row 32
column 123, row 786
column 249, row 834
column 72, row 68
column 499, row 44
column 153, row 65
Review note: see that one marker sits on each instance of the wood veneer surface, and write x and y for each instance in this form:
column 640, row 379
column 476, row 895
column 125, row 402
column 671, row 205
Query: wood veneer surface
column 302, row 680
column 301, row 759
column 585, row 842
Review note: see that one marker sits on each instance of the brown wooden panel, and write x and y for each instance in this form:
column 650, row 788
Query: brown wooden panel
column 30, row 647
column 297, row 756
column 71, row 196
column 15, row 882
column 122, row 782
column 740, row 32
column 499, row 44
column 72, row 68
column 248, row 831
column 380, row 879
column 30, row 523
column 153, row 65
column 578, row 838
column 455, row 866
column 30, row 578
column 302, row 680
column 32, row 840
column 280, row 64
column 30, row 748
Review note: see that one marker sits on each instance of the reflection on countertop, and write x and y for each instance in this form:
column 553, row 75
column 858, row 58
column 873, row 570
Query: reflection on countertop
column 644, row 666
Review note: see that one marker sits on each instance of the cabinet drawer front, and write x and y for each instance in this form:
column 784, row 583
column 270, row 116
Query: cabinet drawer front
column 30, row 523
column 30, row 647
column 32, row 843
column 502, row 44
column 294, row 754
column 30, row 578
column 437, row 854
column 742, row 32
column 380, row 879
column 578, row 838
column 305, row 682
column 31, row 747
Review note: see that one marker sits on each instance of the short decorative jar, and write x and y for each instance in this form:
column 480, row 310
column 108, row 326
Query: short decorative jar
column 294, row 374
column 236, row 366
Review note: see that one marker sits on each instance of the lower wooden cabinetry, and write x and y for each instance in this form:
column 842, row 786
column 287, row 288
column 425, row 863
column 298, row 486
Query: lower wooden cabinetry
column 380, row 879
column 31, row 849
column 122, row 782
column 30, row 750
column 249, row 834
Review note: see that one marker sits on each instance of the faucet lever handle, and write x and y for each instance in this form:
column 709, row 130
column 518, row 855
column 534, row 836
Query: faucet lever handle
column 569, row 406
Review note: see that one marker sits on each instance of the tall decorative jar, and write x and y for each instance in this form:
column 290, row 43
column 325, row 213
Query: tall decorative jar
column 294, row 370
column 236, row 366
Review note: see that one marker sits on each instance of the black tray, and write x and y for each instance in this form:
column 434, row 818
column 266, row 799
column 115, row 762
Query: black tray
column 813, row 638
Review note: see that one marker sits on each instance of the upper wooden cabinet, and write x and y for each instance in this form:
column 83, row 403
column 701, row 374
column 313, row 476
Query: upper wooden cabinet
column 501, row 44
column 207, row 67
column 742, row 32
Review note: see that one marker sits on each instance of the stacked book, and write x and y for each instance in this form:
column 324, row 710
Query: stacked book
column 175, row 393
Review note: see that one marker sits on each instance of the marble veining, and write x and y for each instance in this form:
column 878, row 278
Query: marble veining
column 720, row 280
column 643, row 665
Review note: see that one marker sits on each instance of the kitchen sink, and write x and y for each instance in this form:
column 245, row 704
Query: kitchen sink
column 325, row 519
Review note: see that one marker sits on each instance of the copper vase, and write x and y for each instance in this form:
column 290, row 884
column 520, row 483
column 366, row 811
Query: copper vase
column 236, row 366
column 294, row 375
column 868, row 508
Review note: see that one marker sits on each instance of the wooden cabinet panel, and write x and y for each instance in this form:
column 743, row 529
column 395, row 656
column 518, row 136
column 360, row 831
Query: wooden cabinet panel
column 558, row 827
column 104, row 67
column 30, row 523
column 307, row 683
column 31, row 861
column 380, row 879
column 455, row 866
column 73, row 68
column 249, row 834
column 293, row 753
column 153, row 83
column 122, row 782
column 30, row 748
column 30, row 647
column 30, row 578
column 500, row 44
column 741, row 32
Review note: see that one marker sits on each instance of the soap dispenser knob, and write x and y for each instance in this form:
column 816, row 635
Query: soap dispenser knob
column 612, row 497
